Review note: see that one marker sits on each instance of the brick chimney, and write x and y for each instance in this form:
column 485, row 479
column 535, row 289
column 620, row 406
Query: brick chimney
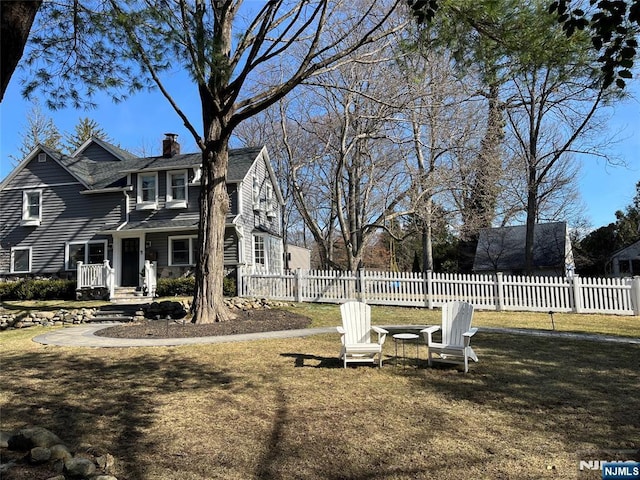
column 170, row 146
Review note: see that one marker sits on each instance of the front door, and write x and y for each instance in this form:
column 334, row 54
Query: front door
column 130, row 262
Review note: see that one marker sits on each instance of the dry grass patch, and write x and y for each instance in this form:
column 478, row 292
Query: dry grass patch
column 285, row 409
column 325, row 315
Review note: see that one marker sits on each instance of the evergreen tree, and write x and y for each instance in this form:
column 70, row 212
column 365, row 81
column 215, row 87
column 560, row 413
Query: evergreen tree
column 85, row 129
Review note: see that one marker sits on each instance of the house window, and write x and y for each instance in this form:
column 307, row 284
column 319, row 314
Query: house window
column 21, row 260
column 147, row 191
column 182, row 250
column 177, row 189
column 259, row 256
column 267, row 253
column 85, row 252
column 31, row 207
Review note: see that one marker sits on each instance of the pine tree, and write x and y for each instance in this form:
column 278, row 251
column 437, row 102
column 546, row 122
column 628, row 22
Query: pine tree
column 85, row 129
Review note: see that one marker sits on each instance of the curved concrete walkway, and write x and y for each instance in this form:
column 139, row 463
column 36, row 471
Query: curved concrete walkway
column 84, row 336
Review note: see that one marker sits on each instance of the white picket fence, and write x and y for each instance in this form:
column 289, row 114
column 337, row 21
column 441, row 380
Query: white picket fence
column 488, row 292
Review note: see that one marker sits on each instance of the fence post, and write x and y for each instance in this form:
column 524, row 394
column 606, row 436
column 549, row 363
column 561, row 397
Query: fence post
column 297, row 294
column 499, row 291
column 635, row 295
column 428, row 289
column 360, row 286
column 577, row 294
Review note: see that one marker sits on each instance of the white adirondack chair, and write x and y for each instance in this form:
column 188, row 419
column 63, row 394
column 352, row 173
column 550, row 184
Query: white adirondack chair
column 456, row 335
column 356, row 331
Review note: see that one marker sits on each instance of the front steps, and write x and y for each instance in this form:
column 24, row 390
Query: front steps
column 115, row 313
column 129, row 295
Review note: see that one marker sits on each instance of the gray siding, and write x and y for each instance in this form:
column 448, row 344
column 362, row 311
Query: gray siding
column 67, row 216
column 98, row 154
column 232, row 190
column 257, row 219
column 159, row 243
column 37, row 173
column 163, row 213
column 230, row 247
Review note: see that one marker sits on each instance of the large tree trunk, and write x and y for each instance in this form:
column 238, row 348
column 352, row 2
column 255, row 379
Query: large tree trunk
column 16, row 18
column 532, row 215
column 208, row 302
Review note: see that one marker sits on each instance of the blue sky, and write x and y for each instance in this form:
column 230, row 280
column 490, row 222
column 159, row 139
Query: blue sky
column 140, row 123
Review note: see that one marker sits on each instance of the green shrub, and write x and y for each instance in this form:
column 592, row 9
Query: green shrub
column 172, row 287
column 229, row 287
column 185, row 287
column 38, row 290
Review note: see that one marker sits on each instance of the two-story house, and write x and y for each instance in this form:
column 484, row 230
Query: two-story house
column 102, row 204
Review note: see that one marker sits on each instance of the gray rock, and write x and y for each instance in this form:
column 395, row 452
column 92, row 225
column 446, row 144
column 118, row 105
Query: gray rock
column 39, row 455
column 79, row 467
column 104, row 477
column 60, row 452
column 4, row 439
column 57, row 477
column 28, row 438
column 105, row 462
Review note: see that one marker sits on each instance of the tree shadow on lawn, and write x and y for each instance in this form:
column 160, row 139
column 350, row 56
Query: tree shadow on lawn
column 76, row 396
column 584, row 390
column 313, row 361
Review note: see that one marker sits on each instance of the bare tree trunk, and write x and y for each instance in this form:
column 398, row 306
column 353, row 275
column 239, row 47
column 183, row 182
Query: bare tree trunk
column 532, row 215
column 208, row 303
column 427, row 238
column 16, row 18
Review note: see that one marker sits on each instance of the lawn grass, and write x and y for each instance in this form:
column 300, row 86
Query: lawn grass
column 283, row 409
column 325, row 315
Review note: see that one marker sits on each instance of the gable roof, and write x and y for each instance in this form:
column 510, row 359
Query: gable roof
column 109, row 174
column 503, row 249
column 628, row 252
column 76, row 171
column 114, row 150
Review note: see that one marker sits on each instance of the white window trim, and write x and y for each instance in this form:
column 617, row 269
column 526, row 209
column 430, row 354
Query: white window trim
column 12, row 266
column 28, row 221
column 192, row 253
column 170, row 202
column 264, row 265
column 148, row 205
column 85, row 260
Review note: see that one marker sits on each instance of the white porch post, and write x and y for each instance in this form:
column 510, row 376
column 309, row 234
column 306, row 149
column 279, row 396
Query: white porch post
column 117, row 260
column 109, row 279
column 79, row 283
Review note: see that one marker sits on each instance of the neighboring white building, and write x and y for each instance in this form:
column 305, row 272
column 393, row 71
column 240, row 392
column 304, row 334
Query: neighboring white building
column 625, row 262
column 297, row 257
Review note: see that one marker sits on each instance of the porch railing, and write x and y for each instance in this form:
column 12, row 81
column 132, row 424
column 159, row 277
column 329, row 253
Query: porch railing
column 96, row 275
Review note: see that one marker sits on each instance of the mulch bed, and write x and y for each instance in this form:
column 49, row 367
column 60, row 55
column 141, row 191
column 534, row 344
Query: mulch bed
column 250, row 321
